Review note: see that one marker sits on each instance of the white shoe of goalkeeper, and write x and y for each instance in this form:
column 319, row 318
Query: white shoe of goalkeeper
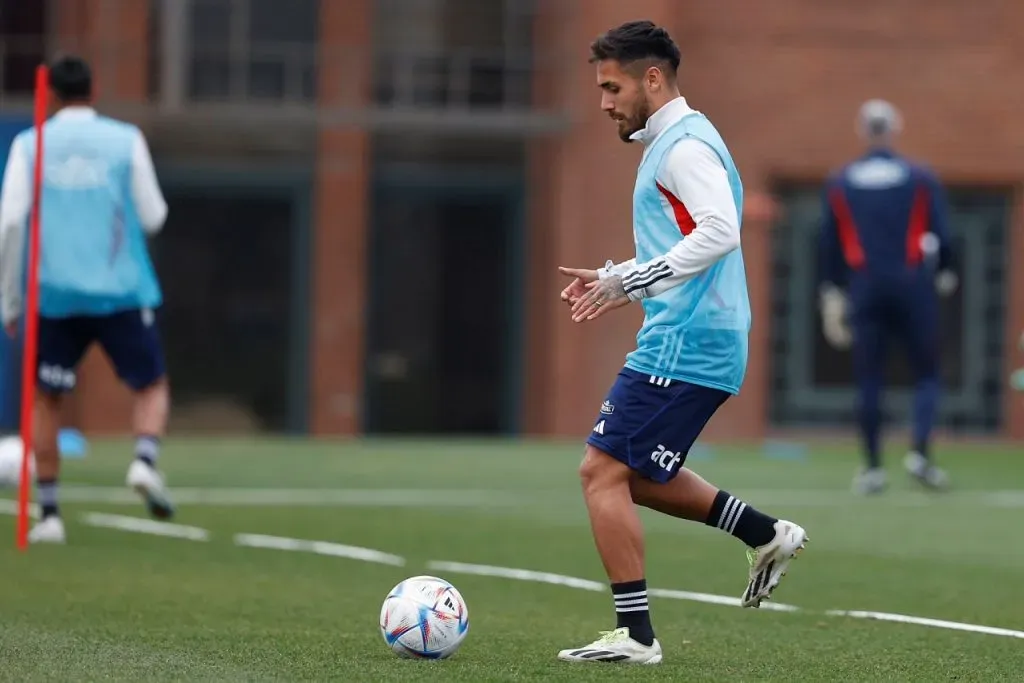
column 921, row 469
column 616, row 647
column 769, row 563
column 49, row 530
column 149, row 483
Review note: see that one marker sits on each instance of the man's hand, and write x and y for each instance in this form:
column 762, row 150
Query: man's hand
column 601, row 296
column 834, row 311
column 946, row 282
column 578, row 287
column 11, row 329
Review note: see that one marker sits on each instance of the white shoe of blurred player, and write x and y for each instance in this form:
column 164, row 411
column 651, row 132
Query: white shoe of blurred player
column 614, row 646
column 923, row 471
column 870, row 481
column 149, row 483
column 768, row 564
column 49, row 530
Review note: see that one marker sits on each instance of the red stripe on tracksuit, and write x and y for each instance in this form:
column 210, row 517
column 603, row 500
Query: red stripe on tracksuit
column 849, row 238
column 918, row 227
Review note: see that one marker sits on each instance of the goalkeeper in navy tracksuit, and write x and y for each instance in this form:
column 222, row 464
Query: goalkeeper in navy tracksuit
column 885, row 257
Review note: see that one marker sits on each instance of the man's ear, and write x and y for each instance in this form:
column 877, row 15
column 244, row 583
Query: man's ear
column 654, row 78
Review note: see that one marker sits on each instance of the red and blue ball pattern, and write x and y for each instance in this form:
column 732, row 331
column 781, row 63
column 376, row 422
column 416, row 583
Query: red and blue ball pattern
column 424, row 617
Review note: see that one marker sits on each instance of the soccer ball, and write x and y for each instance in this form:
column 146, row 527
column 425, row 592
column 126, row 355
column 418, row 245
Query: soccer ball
column 424, row 617
column 10, row 462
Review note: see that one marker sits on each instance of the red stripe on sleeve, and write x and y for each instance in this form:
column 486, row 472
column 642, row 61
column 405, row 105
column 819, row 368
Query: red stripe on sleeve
column 683, row 218
column 849, row 238
column 918, row 227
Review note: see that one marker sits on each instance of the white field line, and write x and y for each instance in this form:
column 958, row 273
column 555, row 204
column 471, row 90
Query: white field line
column 924, row 621
column 318, row 548
column 10, row 507
column 713, row 599
column 517, row 574
column 300, row 497
column 1009, row 498
column 313, row 497
column 586, row 584
column 145, row 526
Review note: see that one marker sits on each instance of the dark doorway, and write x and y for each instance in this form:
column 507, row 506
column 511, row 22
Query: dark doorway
column 234, row 313
column 443, row 343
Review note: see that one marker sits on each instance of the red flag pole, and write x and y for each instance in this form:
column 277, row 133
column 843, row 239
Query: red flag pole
column 30, row 348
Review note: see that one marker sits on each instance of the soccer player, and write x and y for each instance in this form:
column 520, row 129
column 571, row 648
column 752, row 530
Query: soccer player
column 691, row 352
column 100, row 200
column 885, row 256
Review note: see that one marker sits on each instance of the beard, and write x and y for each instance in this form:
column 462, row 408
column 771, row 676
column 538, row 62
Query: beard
column 634, row 123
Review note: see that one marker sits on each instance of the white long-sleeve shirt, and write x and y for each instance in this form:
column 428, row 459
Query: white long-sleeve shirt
column 696, row 195
column 16, row 206
column 16, row 194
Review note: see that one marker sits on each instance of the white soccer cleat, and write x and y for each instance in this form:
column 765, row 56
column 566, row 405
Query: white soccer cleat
column 925, row 472
column 149, row 483
column 768, row 564
column 49, row 530
column 615, row 647
column 870, row 481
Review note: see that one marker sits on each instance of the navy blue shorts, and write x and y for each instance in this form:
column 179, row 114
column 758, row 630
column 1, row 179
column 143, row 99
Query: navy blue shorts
column 650, row 423
column 129, row 338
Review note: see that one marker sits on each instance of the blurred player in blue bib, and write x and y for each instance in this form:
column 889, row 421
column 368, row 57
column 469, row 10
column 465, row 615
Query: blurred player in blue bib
column 100, row 200
column 691, row 352
column 885, row 257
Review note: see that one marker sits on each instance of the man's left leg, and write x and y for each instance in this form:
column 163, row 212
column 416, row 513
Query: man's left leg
column 773, row 543
column 132, row 342
column 919, row 327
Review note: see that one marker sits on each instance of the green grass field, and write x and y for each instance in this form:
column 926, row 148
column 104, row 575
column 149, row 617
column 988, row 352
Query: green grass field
column 114, row 605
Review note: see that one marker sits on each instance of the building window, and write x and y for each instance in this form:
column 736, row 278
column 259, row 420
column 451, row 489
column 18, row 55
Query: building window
column 813, row 384
column 22, row 45
column 222, row 51
column 454, row 53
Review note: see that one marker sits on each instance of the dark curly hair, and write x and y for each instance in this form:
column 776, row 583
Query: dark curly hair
column 636, row 41
column 71, row 78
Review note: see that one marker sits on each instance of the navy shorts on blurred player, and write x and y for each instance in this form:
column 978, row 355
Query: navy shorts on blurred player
column 129, row 338
column 650, row 423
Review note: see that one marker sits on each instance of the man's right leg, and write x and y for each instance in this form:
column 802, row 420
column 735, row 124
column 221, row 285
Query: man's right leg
column 131, row 341
column 869, row 370
column 618, row 534
column 62, row 342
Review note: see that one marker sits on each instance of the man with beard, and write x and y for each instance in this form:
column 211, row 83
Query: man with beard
column 691, row 352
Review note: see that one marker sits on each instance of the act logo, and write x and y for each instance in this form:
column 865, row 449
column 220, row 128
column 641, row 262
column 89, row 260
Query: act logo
column 666, row 459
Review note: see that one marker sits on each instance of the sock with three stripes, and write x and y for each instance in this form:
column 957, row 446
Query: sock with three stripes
column 632, row 612
column 733, row 516
column 47, row 490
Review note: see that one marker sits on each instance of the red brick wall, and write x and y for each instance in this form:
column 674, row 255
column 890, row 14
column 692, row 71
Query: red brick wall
column 340, row 224
column 782, row 81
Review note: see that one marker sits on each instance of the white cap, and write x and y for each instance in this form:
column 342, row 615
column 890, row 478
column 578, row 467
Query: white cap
column 878, row 119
